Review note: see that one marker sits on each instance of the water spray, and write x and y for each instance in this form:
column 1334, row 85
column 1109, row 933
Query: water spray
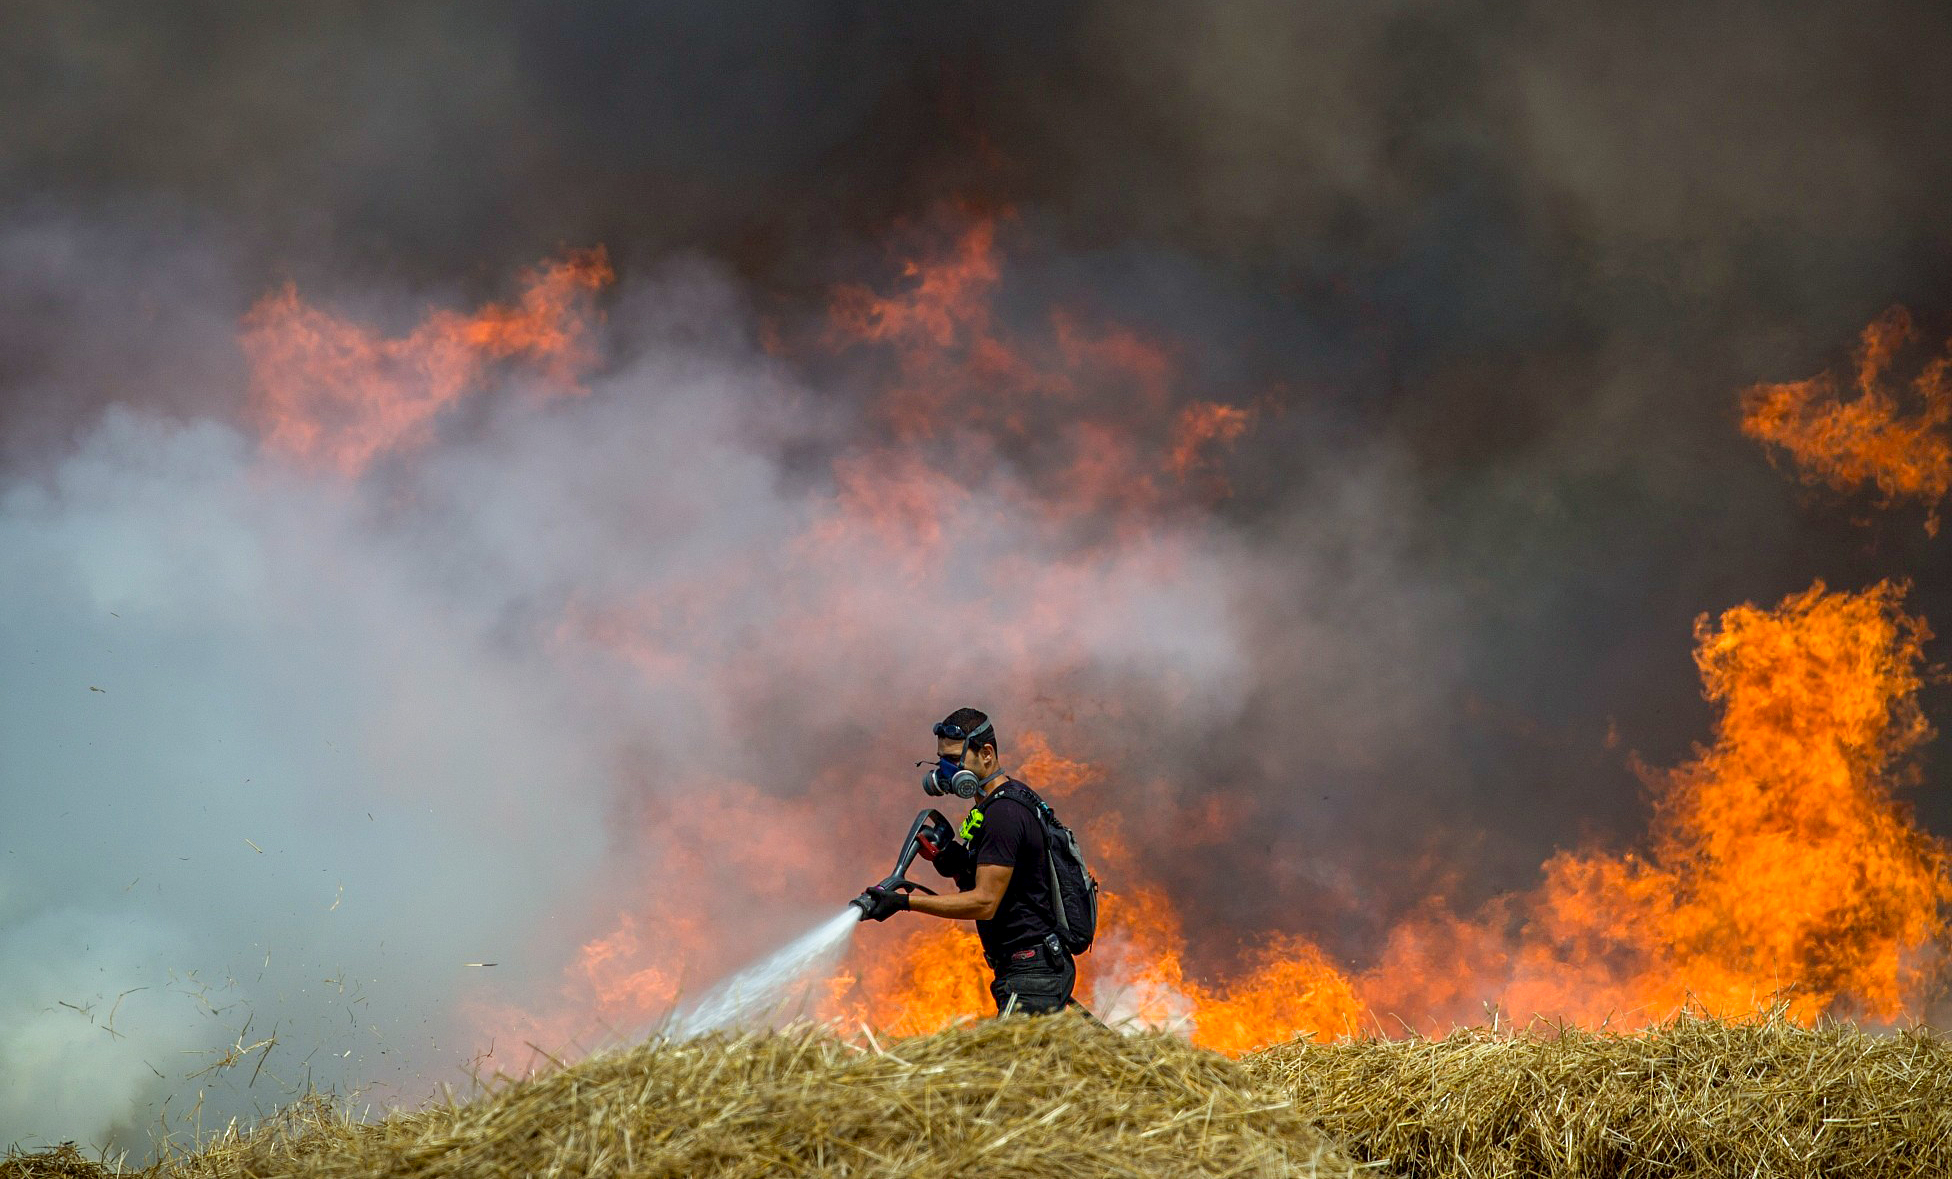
column 779, row 985
column 775, row 987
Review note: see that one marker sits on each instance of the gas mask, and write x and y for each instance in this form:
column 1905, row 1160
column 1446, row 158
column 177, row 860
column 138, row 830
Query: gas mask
column 948, row 775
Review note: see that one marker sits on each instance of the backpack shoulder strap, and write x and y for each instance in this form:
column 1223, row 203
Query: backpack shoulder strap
column 1017, row 792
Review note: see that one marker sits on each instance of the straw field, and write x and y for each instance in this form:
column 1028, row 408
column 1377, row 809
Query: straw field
column 1017, row 1096
column 1695, row 1096
column 1698, row 1097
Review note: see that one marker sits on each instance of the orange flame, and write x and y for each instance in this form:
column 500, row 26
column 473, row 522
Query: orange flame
column 929, row 977
column 955, row 363
column 1868, row 439
column 613, row 966
column 1780, row 863
column 1796, row 862
column 335, row 394
column 934, row 975
column 1291, row 990
column 1201, row 425
column 1288, row 989
column 947, row 302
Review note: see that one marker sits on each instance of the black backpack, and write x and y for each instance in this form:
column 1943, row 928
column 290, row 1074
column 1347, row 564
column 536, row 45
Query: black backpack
column 1074, row 890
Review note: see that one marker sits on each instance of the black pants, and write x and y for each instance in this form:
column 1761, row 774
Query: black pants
column 1035, row 980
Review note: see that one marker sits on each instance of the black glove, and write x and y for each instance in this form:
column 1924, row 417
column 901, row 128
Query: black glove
column 879, row 904
column 951, row 859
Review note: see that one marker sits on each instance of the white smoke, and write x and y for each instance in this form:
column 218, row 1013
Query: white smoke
column 274, row 783
column 1126, row 995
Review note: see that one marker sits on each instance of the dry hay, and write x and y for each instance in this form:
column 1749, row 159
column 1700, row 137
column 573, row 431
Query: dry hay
column 1695, row 1096
column 1017, row 1096
column 56, row 1162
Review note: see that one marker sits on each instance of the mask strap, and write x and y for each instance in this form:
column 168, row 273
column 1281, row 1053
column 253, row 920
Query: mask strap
column 969, row 742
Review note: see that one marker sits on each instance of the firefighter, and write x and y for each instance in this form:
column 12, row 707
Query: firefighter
column 997, row 861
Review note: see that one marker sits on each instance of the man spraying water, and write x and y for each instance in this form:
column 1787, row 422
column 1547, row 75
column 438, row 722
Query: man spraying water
column 1018, row 871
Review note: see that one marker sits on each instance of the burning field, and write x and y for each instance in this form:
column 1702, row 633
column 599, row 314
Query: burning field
column 1781, row 865
column 1445, row 503
column 1781, row 873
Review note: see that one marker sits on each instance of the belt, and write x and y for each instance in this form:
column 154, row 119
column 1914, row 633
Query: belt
column 1050, row 949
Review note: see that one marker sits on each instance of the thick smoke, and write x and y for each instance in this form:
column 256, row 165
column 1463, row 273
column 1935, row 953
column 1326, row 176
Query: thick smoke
column 1492, row 276
column 299, row 749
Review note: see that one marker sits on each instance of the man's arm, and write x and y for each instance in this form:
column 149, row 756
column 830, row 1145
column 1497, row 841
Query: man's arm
column 977, row 904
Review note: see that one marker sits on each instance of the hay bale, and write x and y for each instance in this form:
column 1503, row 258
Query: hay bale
column 1017, row 1096
column 1695, row 1096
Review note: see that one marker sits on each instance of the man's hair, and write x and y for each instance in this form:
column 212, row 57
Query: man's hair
column 970, row 719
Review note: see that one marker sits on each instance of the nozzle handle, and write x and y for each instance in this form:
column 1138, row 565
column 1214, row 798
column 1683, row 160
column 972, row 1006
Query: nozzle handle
column 911, row 846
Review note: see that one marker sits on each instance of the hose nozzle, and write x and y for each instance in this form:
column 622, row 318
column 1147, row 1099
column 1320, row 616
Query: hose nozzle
column 931, row 826
column 876, row 904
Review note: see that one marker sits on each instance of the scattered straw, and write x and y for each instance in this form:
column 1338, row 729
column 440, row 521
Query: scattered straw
column 56, row 1162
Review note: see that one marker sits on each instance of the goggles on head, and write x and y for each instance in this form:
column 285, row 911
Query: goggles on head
column 950, row 732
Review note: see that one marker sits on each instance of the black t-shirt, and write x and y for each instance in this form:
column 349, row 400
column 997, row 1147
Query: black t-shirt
column 1012, row 835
